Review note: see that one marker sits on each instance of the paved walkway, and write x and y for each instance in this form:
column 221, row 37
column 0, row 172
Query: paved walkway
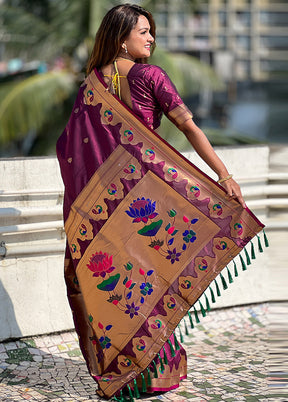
column 227, row 357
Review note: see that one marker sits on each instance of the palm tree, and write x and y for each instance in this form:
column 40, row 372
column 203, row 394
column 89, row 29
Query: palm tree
column 61, row 28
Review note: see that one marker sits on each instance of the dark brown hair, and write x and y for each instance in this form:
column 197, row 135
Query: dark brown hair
column 114, row 29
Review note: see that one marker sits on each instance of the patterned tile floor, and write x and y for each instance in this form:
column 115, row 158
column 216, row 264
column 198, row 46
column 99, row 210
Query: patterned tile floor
column 227, row 357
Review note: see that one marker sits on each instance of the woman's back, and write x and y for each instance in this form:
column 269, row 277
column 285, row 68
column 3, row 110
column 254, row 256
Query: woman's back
column 147, row 90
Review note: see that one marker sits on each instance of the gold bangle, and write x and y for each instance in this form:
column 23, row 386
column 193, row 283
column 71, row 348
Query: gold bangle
column 225, row 178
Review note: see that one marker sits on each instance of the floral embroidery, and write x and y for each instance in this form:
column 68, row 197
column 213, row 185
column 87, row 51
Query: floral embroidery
column 146, row 288
column 142, row 210
column 105, row 342
column 218, row 208
column 101, row 264
column 132, row 309
column 129, row 135
column 108, row 115
column 239, row 228
column 173, row 255
column 141, row 345
column 189, row 236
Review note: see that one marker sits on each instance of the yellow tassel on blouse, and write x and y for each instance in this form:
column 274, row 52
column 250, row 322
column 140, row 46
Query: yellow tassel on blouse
column 116, row 81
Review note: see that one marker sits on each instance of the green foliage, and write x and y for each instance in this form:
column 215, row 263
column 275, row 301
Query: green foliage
column 43, row 30
column 26, row 105
column 188, row 73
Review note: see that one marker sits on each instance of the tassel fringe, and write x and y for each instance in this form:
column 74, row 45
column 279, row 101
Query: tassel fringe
column 203, row 312
column 208, row 308
column 190, row 319
column 136, row 390
column 265, row 239
column 252, row 251
column 148, row 377
column 196, row 315
column 171, row 348
column 144, row 388
column 144, row 383
column 186, row 328
column 176, row 343
column 155, row 369
column 212, row 295
column 235, row 269
column 230, row 279
column 162, row 368
column 244, row 268
column 247, row 257
column 217, row 288
column 165, row 356
column 224, row 283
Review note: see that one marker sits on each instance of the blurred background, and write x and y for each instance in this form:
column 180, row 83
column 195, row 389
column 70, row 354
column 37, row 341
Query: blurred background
column 228, row 59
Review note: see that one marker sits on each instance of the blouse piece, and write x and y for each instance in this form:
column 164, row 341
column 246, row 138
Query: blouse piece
column 153, row 93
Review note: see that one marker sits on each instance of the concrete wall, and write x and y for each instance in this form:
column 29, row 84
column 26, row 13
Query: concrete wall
column 32, row 290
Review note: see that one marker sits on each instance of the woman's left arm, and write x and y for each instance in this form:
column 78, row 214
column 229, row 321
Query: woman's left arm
column 202, row 146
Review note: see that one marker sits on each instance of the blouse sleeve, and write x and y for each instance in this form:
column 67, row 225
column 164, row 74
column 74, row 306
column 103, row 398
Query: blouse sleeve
column 168, row 98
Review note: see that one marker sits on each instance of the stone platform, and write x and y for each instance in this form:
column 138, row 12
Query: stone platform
column 227, row 361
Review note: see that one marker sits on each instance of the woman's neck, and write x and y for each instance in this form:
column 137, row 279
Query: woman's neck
column 125, row 56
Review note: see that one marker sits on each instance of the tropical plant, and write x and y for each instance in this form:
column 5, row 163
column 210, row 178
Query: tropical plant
column 62, row 29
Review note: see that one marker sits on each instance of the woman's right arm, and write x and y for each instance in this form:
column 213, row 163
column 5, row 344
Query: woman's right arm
column 202, row 146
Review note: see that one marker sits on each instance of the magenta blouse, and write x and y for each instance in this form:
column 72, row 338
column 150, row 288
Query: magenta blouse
column 153, row 93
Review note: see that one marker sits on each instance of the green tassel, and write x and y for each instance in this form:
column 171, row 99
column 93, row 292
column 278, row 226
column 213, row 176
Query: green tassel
column 171, row 348
column 217, row 288
column 119, row 398
column 242, row 263
column 259, row 245
column 130, row 393
column 155, row 369
column 162, row 368
column 203, row 312
column 136, row 390
column 196, row 315
column 176, row 343
column 190, row 319
column 208, row 308
column 235, row 269
column 229, row 276
column 165, row 356
column 149, row 383
column 212, row 295
column 144, row 388
column 247, row 257
column 224, row 283
column 252, row 251
column 180, row 333
column 186, row 329
column 266, row 242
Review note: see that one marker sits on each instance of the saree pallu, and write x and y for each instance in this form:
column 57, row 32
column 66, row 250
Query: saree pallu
column 147, row 233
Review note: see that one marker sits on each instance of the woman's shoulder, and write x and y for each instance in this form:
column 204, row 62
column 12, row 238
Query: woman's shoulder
column 147, row 70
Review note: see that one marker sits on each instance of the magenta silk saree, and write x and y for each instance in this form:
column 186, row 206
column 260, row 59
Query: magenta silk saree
column 147, row 234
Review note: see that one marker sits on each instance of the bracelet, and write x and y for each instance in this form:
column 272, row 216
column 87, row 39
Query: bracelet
column 225, row 178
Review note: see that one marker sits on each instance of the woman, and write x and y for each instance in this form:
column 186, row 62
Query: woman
column 147, row 231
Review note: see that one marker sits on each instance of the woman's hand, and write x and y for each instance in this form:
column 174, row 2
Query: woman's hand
column 233, row 191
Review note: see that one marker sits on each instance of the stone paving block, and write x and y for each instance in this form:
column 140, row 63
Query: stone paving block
column 227, row 352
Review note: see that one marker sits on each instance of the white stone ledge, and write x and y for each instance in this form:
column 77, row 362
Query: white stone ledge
column 32, row 289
